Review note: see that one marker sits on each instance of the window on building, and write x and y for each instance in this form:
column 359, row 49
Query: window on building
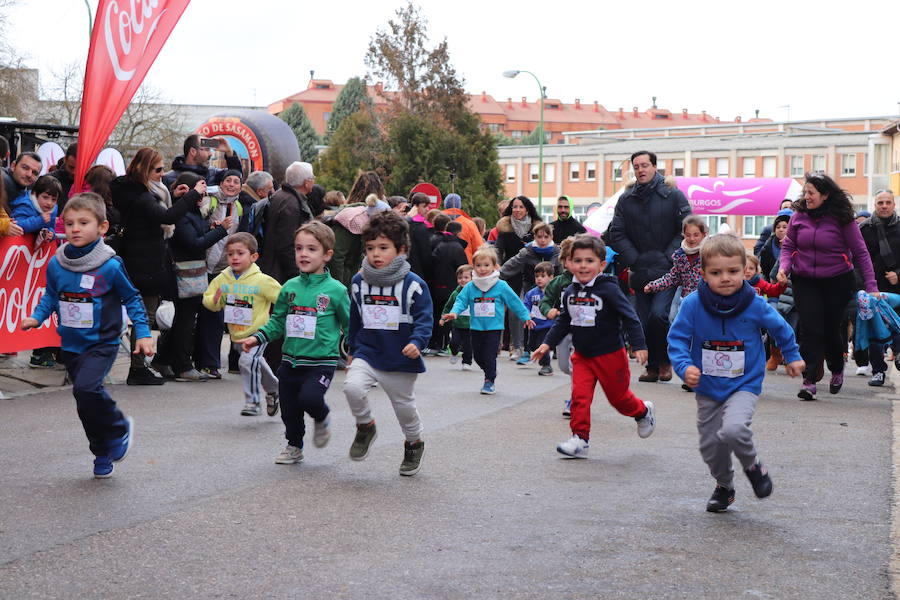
column 770, row 164
column 510, row 173
column 494, row 127
column 617, row 172
column 848, row 165
column 702, row 167
column 549, row 172
column 580, row 213
column 516, row 134
column 661, row 167
column 749, row 166
column 796, row 166
column 753, row 226
column 574, row 171
column 714, row 222
column 881, row 161
column 533, row 172
column 678, row 167
column 590, row 170
column 818, row 163
column 326, row 116
column 722, row 167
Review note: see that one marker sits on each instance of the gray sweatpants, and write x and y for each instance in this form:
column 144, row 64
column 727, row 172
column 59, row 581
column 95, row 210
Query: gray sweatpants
column 725, row 428
column 256, row 374
column 564, row 354
column 398, row 386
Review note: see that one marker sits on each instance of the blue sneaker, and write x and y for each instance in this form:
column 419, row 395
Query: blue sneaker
column 488, row 388
column 524, row 360
column 118, row 449
column 103, row 467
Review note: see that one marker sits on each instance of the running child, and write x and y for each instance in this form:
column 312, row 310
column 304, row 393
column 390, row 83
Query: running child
column 86, row 287
column 685, row 271
column 543, row 273
column 487, row 297
column 246, row 294
column 550, row 308
column 390, row 325
column 595, row 310
column 715, row 345
column 460, row 335
column 310, row 313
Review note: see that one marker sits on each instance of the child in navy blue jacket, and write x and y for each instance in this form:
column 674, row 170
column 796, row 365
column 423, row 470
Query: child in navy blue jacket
column 595, row 310
column 543, row 273
column 716, row 347
column 86, row 287
column 390, row 324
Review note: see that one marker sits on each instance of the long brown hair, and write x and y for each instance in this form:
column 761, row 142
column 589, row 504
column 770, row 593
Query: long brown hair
column 141, row 165
column 367, row 183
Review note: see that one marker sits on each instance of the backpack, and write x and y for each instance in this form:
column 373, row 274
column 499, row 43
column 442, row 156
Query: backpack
column 256, row 222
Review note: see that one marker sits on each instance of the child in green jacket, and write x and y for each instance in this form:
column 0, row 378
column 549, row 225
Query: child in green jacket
column 460, row 336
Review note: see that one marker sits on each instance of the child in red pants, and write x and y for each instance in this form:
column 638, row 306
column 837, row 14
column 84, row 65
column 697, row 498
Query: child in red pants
column 594, row 310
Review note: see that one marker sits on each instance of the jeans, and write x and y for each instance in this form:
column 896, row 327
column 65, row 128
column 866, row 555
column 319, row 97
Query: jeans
column 653, row 312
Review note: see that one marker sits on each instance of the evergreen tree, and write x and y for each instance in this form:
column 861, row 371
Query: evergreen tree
column 353, row 98
column 355, row 146
column 533, row 138
column 307, row 139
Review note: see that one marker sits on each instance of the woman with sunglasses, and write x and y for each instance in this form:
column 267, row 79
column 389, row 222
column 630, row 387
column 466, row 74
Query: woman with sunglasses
column 147, row 218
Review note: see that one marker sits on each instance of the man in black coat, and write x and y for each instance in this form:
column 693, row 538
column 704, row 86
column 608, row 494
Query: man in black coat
column 565, row 224
column 288, row 210
column 196, row 160
column 646, row 231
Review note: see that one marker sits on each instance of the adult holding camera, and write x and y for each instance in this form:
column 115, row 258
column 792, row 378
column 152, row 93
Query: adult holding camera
column 148, row 216
column 197, row 152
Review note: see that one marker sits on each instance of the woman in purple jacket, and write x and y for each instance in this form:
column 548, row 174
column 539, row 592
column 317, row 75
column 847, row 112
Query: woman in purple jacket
column 823, row 243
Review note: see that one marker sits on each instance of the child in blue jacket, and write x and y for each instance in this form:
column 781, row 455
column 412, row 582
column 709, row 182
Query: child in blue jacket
column 487, row 298
column 86, row 287
column 543, row 273
column 35, row 211
column 716, row 347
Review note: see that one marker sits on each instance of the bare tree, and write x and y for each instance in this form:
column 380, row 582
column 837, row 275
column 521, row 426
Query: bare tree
column 18, row 85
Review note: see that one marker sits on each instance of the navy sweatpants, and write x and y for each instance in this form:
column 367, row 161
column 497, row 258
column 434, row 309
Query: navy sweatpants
column 302, row 390
column 485, row 345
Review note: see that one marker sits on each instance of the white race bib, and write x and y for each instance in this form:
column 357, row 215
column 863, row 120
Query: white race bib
column 583, row 311
column 723, row 358
column 238, row 311
column 87, row 282
column 301, row 323
column 381, row 312
column 485, row 307
column 76, row 310
column 536, row 312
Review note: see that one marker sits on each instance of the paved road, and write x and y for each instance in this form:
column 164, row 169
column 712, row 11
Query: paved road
column 200, row 509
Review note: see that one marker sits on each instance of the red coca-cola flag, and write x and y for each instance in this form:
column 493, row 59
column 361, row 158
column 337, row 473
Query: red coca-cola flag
column 126, row 39
column 23, row 275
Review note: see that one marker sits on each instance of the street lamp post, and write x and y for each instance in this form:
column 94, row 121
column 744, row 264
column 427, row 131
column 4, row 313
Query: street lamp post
column 510, row 75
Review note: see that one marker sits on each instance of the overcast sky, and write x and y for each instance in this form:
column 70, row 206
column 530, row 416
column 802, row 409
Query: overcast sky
column 727, row 58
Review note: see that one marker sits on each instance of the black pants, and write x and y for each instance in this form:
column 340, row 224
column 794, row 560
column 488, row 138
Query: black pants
column 653, row 311
column 302, row 390
column 534, row 338
column 461, row 341
column 440, row 334
column 484, row 349
column 822, row 304
column 102, row 420
column 177, row 344
column 151, row 303
column 208, row 339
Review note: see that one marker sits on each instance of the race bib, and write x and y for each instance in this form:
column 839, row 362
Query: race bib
column 723, row 358
column 536, row 312
column 381, row 312
column 76, row 310
column 87, row 282
column 485, row 307
column 301, row 323
column 583, row 311
column 238, row 311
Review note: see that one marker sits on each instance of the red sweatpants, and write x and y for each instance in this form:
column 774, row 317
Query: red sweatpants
column 612, row 371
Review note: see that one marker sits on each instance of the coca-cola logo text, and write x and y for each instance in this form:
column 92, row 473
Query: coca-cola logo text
column 22, row 284
column 127, row 31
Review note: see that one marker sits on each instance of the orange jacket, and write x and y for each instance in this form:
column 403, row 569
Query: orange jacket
column 469, row 231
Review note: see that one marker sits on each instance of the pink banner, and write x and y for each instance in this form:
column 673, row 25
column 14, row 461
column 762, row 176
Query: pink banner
column 736, row 195
column 23, row 272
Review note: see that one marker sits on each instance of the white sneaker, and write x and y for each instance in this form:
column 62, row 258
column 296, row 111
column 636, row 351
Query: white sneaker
column 322, row 433
column 646, row 423
column 865, row 371
column 453, row 359
column 574, row 447
column 515, row 354
column 466, row 367
column 289, row 456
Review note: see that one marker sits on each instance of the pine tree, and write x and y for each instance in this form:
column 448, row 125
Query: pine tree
column 307, row 139
column 353, row 98
column 355, row 146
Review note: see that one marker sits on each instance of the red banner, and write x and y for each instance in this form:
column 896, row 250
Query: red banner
column 23, row 274
column 126, row 39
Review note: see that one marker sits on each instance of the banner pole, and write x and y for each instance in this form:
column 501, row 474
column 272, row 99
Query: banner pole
column 90, row 18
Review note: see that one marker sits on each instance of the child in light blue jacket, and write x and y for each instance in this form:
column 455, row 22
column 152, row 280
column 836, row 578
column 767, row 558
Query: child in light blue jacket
column 487, row 298
column 36, row 210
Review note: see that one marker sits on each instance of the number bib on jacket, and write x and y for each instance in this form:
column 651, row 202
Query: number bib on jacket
column 381, row 312
column 76, row 310
column 238, row 311
column 583, row 311
column 300, row 322
column 536, row 313
column 485, row 307
column 723, row 358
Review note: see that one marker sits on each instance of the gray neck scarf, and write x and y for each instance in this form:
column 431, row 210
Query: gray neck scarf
column 523, row 227
column 90, row 261
column 386, row 276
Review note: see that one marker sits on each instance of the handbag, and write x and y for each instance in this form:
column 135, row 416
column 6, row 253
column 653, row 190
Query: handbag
column 190, row 278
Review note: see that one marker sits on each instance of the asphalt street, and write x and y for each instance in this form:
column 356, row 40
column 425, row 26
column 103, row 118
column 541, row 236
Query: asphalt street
column 200, row 510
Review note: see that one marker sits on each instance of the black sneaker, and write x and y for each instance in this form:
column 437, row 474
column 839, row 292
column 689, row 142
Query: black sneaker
column 760, row 480
column 877, row 380
column 365, row 435
column 686, row 387
column 143, row 376
column 412, row 458
column 720, row 500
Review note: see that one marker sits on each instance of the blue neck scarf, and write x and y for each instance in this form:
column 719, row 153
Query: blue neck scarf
column 75, row 252
column 725, row 306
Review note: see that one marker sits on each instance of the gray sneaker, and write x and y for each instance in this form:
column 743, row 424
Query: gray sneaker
column 365, row 435
column 322, row 433
column 272, row 404
column 192, row 375
column 251, row 410
column 546, row 370
column 289, row 456
column 412, row 457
